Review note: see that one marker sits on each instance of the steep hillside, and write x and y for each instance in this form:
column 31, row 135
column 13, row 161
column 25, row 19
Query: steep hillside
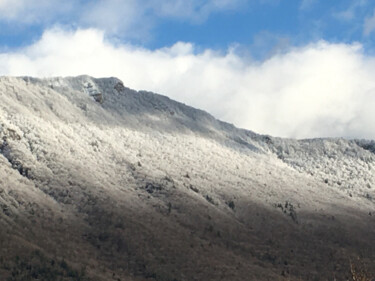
column 100, row 182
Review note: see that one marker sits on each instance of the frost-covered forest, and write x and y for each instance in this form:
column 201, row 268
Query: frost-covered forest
column 101, row 182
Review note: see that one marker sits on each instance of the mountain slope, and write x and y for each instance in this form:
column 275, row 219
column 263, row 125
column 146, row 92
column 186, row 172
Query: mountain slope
column 100, row 182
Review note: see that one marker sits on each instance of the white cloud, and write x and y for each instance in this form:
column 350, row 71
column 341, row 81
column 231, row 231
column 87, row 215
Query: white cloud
column 319, row 90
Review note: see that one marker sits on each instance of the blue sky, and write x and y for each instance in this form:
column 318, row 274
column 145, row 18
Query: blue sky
column 293, row 68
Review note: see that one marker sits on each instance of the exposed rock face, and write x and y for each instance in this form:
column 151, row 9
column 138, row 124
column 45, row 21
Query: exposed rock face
column 119, row 87
column 119, row 188
column 98, row 97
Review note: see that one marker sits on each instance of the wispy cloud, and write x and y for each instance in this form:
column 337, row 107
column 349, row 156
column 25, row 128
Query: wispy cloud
column 321, row 89
column 369, row 25
column 307, row 4
column 35, row 11
column 354, row 10
column 195, row 10
column 127, row 18
column 266, row 44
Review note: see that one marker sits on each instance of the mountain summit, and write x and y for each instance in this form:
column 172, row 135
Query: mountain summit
column 101, row 182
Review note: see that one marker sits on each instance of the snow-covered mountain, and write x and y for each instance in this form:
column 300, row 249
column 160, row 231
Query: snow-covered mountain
column 101, row 182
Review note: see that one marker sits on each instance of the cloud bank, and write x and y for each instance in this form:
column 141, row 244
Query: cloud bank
column 318, row 90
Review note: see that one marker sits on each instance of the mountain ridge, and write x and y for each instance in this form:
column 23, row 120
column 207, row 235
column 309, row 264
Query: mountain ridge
column 135, row 186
